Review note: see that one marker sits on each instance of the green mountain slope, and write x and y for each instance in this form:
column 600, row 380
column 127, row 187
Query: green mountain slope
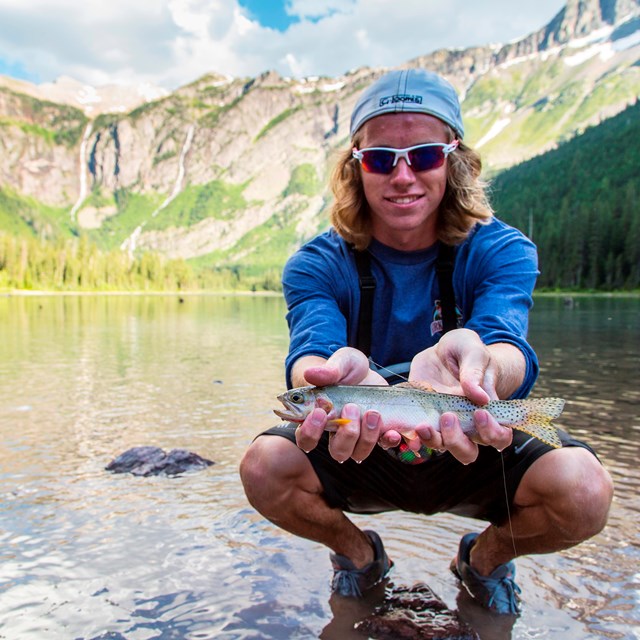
column 580, row 203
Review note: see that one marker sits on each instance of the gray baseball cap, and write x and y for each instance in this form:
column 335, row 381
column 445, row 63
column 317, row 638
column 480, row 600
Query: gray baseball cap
column 409, row 90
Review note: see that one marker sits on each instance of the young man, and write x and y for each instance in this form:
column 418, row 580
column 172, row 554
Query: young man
column 446, row 296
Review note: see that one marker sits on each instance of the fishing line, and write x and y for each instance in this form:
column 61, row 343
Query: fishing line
column 504, row 473
column 379, row 366
column 506, row 499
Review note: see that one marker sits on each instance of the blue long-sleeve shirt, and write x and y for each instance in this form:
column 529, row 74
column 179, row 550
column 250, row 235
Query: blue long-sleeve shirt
column 494, row 276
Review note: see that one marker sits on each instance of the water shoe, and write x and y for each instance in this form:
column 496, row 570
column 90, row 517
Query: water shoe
column 498, row 591
column 351, row 582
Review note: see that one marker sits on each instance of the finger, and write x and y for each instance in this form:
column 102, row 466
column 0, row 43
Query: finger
column 352, row 364
column 369, row 434
column 414, row 443
column 390, row 439
column 309, row 432
column 472, row 376
column 474, row 360
column 489, row 383
column 490, row 431
column 343, row 442
column 455, row 441
column 430, row 436
column 322, row 375
column 346, row 366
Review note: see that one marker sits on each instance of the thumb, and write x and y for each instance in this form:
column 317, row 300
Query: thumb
column 351, row 365
column 475, row 379
column 322, row 375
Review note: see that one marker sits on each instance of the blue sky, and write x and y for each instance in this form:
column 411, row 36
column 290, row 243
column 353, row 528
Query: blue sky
column 172, row 42
column 13, row 69
column 269, row 13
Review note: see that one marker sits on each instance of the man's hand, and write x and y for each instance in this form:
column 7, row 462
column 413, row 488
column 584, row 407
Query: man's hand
column 346, row 366
column 357, row 438
column 353, row 440
column 461, row 364
column 450, row 437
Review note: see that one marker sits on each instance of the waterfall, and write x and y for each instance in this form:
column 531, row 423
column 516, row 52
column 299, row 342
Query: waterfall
column 131, row 242
column 83, row 172
column 129, row 245
column 177, row 187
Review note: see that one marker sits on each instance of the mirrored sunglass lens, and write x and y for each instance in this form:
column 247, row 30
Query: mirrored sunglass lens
column 425, row 158
column 378, row 161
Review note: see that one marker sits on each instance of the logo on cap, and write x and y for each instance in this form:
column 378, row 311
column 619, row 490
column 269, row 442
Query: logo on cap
column 400, row 97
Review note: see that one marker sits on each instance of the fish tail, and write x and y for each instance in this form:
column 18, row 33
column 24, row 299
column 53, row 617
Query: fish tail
column 520, row 411
column 539, row 426
column 540, row 413
column 544, row 407
column 532, row 416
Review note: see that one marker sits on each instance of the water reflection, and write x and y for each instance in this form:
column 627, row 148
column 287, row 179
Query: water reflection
column 86, row 554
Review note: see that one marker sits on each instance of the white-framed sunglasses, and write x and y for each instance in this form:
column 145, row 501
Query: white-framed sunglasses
column 421, row 157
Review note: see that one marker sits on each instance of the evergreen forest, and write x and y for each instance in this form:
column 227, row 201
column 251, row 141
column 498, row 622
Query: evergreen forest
column 580, row 205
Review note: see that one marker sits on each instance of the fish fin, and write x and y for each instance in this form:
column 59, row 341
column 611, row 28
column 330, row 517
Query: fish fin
column 324, row 403
column 410, row 436
column 338, row 422
column 417, row 384
column 540, row 427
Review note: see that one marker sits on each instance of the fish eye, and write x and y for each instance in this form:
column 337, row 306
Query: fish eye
column 297, row 397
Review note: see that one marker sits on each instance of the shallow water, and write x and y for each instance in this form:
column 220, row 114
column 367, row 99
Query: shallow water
column 87, row 554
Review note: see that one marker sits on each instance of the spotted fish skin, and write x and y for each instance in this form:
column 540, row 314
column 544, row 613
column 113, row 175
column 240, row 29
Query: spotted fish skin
column 406, row 405
column 532, row 415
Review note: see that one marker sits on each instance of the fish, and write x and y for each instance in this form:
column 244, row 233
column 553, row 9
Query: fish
column 406, row 405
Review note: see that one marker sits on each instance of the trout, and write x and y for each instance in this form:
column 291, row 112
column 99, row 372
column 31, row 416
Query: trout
column 404, row 406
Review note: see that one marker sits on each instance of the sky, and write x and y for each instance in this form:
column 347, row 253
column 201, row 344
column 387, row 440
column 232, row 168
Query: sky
column 170, row 43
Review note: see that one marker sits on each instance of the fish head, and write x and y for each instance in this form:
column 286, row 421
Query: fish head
column 298, row 404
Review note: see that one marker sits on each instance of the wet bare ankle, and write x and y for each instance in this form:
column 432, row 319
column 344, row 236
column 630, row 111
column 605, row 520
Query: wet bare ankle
column 480, row 561
column 361, row 552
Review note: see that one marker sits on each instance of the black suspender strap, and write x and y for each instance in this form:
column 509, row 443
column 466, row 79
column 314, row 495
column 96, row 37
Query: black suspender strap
column 367, row 289
column 445, row 264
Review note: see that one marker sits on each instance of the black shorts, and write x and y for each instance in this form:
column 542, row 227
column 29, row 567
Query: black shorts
column 440, row 484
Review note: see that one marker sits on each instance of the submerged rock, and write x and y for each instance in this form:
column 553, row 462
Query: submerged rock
column 415, row 612
column 153, row 461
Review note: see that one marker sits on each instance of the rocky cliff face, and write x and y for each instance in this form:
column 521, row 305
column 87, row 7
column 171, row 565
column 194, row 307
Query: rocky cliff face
column 255, row 137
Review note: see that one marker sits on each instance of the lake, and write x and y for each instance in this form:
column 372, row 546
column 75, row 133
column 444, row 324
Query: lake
column 86, row 554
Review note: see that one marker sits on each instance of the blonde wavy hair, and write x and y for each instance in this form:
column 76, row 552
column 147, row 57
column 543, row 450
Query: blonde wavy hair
column 464, row 204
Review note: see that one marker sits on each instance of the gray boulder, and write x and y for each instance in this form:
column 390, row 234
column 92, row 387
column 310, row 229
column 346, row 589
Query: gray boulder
column 153, row 461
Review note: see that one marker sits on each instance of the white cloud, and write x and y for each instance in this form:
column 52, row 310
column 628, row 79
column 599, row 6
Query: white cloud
column 172, row 42
column 194, row 17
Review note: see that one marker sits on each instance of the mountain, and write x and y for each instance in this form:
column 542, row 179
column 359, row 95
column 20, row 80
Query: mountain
column 111, row 98
column 232, row 171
